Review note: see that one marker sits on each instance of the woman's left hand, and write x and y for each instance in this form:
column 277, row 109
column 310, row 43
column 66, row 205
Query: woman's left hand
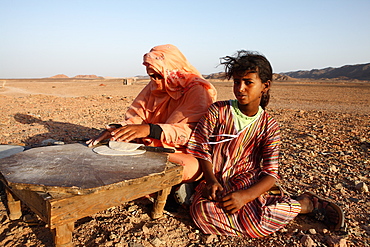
column 130, row 132
column 234, row 201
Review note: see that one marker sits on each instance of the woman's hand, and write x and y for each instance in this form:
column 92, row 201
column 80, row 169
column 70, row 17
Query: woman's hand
column 234, row 201
column 211, row 190
column 106, row 134
column 130, row 132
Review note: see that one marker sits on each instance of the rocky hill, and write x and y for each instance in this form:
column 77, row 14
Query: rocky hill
column 221, row 76
column 88, row 76
column 347, row 72
column 59, row 76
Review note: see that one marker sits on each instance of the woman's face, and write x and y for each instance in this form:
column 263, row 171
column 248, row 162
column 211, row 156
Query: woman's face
column 153, row 74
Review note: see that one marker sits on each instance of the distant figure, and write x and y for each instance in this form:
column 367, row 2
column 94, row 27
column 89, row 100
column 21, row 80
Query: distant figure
column 3, row 83
column 166, row 111
column 237, row 145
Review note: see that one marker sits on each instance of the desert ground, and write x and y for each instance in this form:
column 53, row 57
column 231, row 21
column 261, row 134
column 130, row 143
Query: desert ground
column 326, row 140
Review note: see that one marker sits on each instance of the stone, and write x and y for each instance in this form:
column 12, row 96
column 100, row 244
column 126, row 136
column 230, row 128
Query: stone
column 307, row 241
column 156, row 242
column 362, row 187
column 336, row 241
column 145, row 229
column 211, row 238
column 333, row 168
column 49, row 142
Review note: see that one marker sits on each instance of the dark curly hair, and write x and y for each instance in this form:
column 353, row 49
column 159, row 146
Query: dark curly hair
column 252, row 61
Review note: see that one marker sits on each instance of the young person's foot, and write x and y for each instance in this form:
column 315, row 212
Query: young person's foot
column 323, row 210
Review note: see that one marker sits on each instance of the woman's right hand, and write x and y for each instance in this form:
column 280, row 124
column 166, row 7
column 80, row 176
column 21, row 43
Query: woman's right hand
column 106, row 134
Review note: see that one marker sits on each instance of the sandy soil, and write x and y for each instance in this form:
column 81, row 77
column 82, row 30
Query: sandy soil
column 326, row 141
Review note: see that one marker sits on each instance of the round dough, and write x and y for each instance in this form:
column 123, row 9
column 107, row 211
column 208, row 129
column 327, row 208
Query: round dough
column 105, row 150
column 124, row 146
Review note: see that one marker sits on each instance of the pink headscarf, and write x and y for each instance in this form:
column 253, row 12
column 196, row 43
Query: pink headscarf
column 179, row 76
column 178, row 73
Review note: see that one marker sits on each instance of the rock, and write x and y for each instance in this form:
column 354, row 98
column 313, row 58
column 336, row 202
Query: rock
column 192, row 235
column 135, row 245
column 338, row 186
column 283, row 230
column 307, row 241
column 312, row 231
column 30, row 218
column 210, row 239
column 336, row 241
column 3, row 218
column 333, row 168
column 49, row 142
column 145, row 229
column 156, row 242
column 362, row 187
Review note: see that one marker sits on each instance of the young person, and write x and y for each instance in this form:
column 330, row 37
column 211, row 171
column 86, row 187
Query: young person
column 237, row 145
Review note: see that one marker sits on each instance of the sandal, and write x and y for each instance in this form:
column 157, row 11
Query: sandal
column 320, row 212
column 184, row 193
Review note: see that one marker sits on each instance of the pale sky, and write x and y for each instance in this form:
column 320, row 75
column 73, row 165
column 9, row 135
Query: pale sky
column 109, row 38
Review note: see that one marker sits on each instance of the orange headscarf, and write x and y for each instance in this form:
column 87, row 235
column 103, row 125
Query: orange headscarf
column 179, row 76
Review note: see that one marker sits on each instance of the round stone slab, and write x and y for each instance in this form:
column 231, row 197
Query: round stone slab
column 76, row 168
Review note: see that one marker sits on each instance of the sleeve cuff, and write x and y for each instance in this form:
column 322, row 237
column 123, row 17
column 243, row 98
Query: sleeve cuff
column 155, row 131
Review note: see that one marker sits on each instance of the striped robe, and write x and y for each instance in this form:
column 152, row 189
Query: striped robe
column 239, row 160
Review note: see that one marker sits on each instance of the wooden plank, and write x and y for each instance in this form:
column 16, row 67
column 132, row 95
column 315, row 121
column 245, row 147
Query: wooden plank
column 76, row 207
column 38, row 202
column 160, row 202
column 14, row 205
column 63, row 235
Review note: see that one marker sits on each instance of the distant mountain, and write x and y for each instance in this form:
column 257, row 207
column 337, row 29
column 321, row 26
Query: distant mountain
column 88, row 76
column 59, row 76
column 221, row 76
column 347, row 72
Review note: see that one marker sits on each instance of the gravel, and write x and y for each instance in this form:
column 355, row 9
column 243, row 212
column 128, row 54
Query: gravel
column 326, row 141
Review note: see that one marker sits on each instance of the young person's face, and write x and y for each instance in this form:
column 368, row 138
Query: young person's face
column 248, row 90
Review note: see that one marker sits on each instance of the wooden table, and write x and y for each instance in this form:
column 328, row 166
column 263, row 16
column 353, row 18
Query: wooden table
column 64, row 183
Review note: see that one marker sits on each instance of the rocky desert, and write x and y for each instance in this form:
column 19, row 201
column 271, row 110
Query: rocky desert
column 326, row 140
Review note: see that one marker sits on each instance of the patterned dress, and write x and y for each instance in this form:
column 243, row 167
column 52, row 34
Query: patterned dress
column 239, row 160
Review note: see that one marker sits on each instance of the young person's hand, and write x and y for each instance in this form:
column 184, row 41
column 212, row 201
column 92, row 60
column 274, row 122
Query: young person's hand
column 211, row 190
column 130, row 132
column 234, row 201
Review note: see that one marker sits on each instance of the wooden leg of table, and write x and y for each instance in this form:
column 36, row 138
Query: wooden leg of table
column 160, row 202
column 14, row 205
column 63, row 235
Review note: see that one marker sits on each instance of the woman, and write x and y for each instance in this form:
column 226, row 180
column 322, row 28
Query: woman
column 166, row 111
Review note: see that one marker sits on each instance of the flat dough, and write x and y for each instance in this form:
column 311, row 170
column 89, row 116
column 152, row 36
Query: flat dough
column 124, row 146
column 105, row 150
